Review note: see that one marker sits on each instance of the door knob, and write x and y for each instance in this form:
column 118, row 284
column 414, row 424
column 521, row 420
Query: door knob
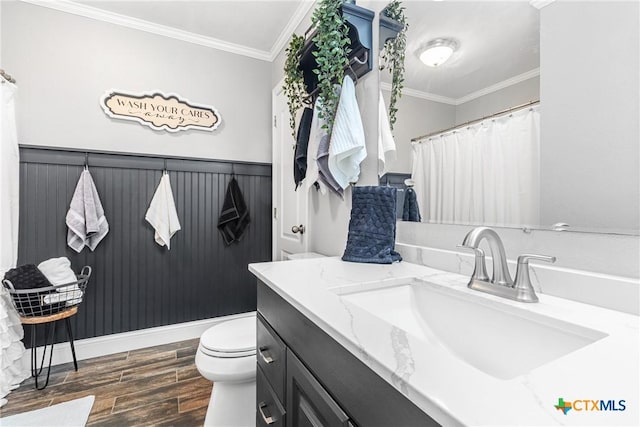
column 298, row 229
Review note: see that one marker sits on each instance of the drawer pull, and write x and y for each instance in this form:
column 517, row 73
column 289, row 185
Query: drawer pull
column 267, row 419
column 267, row 359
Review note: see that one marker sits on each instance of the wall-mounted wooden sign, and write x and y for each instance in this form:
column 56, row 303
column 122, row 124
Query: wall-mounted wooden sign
column 159, row 111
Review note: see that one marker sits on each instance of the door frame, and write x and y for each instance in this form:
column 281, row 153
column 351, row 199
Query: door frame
column 276, row 146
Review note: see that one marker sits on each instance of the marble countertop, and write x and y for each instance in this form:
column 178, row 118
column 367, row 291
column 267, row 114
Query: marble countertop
column 446, row 387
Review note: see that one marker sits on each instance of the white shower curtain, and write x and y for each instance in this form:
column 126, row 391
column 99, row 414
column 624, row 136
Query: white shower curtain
column 12, row 372
column 487, row 173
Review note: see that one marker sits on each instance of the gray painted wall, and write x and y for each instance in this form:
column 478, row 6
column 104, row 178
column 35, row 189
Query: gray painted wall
column 64, row 63
column 491, row 103
column 415, row 117
column 591, row 98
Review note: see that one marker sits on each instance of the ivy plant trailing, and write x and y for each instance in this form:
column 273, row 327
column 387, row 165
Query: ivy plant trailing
column 392, row 56
column 332, row 54
column 293, row 79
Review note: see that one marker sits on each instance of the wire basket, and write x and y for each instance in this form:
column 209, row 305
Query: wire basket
column 50, row 300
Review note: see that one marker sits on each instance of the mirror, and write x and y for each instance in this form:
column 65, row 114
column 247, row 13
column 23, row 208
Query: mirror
column 584, row 168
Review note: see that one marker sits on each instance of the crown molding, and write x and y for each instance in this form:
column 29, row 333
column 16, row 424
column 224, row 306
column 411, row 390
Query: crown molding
column 303, row 8
column 539, row 4
column 500, row 85
column 477, row 94
column 150, row 27
column 420, row 94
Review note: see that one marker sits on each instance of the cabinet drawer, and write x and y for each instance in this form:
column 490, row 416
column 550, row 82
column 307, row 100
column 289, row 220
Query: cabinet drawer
column 269, row 411
column 271, row 355
column 308, row 403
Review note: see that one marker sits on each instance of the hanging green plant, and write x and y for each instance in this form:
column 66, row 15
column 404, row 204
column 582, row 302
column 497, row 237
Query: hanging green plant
column 332, row 54
column 392, row 56
column 293, row 79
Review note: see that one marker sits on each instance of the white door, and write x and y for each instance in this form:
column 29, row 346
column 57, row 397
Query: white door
column 290, row 212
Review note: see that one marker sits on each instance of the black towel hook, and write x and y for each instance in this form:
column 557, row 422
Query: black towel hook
column 233, row 169
column 165, row 166
column 86, row 160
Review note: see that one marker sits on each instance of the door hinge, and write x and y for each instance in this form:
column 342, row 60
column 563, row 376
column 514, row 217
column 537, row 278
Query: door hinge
column 275, row 121
column 275, row 213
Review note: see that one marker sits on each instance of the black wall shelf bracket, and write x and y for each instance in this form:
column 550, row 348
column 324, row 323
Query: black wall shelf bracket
column 359, row 21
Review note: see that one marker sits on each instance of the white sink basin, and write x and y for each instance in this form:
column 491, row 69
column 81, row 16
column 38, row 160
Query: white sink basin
column 499, row 339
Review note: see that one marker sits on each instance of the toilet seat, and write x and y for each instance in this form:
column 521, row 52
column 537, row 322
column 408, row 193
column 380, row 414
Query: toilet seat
column 230, row 339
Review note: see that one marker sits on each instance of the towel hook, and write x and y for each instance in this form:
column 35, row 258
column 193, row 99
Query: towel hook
column 233, row 169
column 86, row 160
column 355, row 76
column 165, row 166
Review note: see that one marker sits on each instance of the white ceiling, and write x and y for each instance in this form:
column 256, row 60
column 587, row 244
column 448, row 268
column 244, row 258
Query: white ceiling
column 255, row 24
column 498, row 40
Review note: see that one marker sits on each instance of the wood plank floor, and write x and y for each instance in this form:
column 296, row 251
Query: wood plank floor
column 151, row 386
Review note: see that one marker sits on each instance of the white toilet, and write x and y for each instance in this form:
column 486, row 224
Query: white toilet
column 227, row 356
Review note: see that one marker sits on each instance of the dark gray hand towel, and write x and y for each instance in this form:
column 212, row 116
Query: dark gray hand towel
column 234, row 216
column 302, row 144
column 372, row 227
column 411, row 211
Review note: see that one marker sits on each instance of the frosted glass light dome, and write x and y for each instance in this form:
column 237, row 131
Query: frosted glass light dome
column 438, row 51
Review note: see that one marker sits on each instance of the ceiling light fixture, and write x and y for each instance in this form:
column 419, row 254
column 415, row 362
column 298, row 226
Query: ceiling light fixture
column 438, row 51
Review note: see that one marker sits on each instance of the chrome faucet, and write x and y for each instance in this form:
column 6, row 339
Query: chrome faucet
column 501, row 283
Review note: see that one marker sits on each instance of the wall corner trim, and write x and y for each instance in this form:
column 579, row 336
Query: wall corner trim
column 127, row 341
column 150, row 27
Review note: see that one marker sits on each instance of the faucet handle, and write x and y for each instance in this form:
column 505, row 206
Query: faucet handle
column 480, row 267
column 524, row 258
column 522, row 282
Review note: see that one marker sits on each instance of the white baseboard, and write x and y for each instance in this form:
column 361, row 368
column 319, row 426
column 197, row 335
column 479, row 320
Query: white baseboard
column 127, row 341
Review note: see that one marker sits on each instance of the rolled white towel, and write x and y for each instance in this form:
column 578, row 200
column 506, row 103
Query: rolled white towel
column 58, row 271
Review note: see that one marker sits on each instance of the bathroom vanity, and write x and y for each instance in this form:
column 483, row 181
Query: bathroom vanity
column 332, row 385
column 403, row 344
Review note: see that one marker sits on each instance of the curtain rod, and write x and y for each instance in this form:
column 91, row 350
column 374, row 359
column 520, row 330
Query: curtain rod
column 499, row 113
column 7, row 77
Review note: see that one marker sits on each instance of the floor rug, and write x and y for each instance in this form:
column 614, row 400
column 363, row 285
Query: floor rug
column 68, row 414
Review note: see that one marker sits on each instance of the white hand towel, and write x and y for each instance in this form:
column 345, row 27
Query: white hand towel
column 347, row 146
column 162, row 214
column 85, row 218
column 386, row 143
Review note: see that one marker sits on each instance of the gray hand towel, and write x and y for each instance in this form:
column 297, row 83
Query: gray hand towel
column 85, row 218
column 324, row 174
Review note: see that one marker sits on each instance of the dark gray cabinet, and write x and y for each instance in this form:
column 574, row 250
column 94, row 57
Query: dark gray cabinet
column 322, row 383
column 270, row 411
column 287, row 393
column 271, row 355
column 308, row 403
